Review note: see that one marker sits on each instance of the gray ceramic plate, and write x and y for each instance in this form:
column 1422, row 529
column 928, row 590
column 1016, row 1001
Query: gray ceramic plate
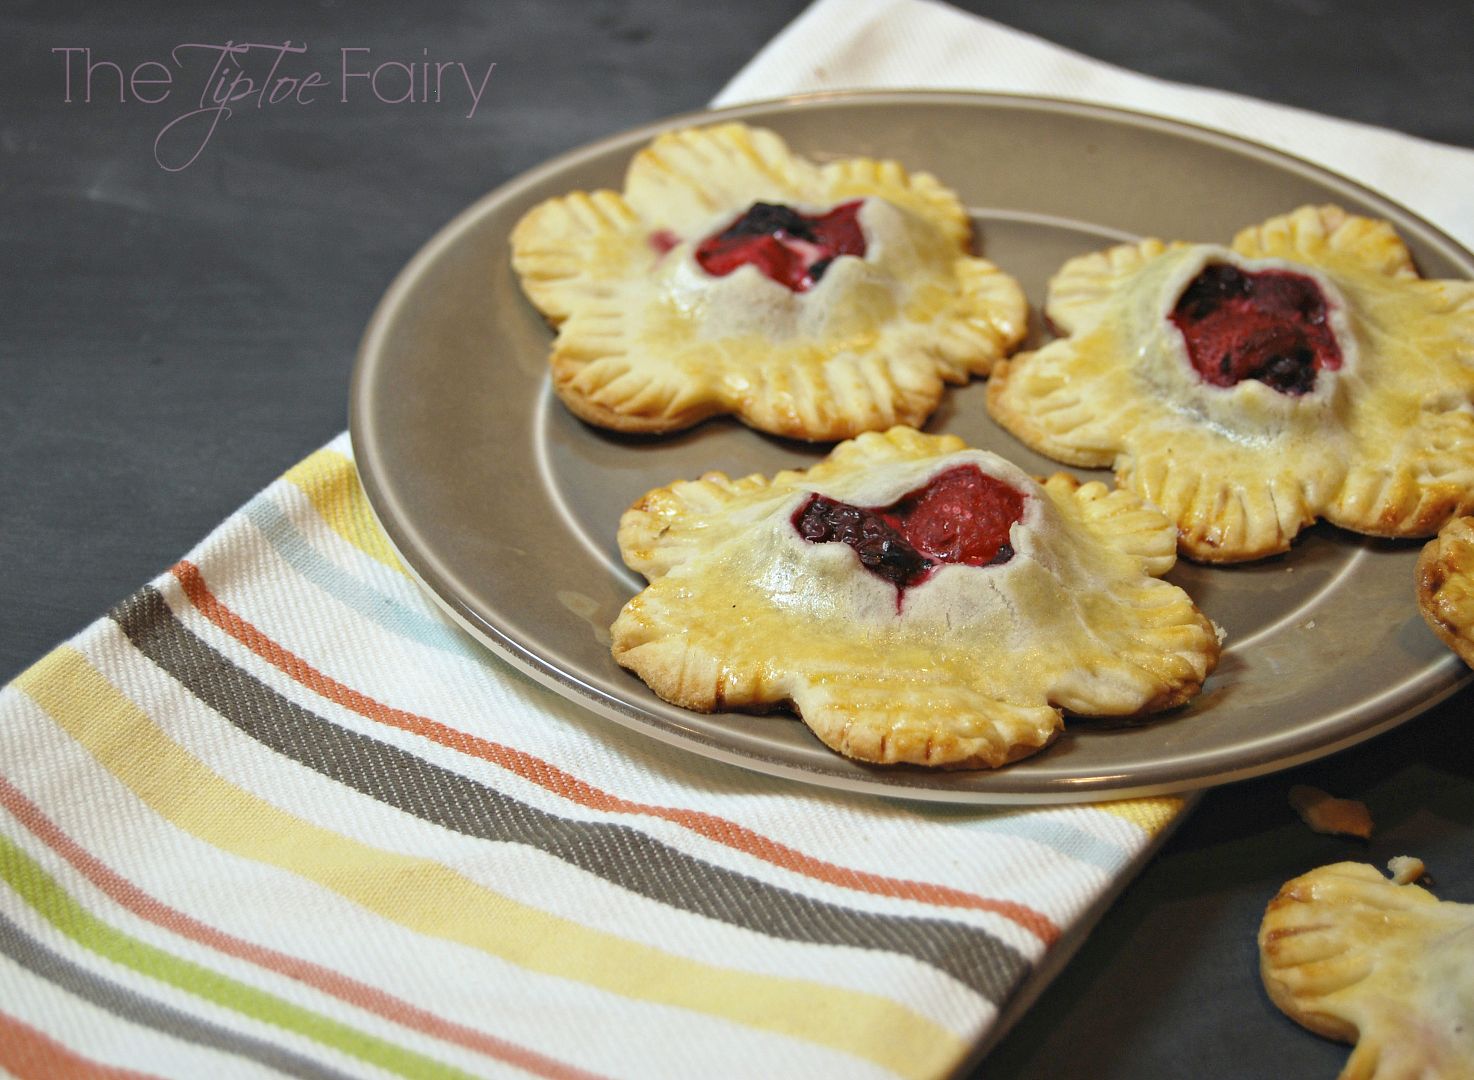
column 505, row 506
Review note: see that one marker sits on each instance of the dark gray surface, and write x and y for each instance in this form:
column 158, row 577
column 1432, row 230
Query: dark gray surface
column 169, row 343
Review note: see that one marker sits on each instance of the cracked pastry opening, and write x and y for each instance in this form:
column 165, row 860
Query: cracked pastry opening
column 791, row 248
column 1269, row 325
column 962, row 515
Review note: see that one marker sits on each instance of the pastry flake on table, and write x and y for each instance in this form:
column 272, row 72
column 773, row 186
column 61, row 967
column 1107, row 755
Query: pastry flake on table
column 1445, row 584
column 1306, row 372
column 912, row 599
column 1354, row 956
column 1325, row 813
column 733, row 276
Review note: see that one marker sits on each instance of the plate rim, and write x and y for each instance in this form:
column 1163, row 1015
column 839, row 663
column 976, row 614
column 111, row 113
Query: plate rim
column 1443, row 678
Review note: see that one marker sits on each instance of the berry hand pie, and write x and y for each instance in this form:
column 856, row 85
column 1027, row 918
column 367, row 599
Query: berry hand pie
column 1445, row 582
column 732, row 276
column 1382, row 963
column 913, row 600
column 1305, row 372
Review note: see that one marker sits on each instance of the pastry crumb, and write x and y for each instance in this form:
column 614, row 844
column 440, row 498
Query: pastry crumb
column 1327, row 814
column 1405, row 869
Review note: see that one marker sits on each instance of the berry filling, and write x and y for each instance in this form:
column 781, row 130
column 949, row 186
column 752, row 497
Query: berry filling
column 791, row 248
column 960, row 516
column 662, row 240
column 1268, row 325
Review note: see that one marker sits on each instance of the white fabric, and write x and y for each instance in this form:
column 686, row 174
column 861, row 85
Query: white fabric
column 920, row 44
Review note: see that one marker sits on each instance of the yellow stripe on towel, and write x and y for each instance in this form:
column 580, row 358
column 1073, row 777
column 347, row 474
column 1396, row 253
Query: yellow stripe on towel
column 330, row 482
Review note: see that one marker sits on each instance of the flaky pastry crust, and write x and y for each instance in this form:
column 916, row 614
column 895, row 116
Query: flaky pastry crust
column 1356, row 957
column 971, row 669
column 1445, row 584
column 1383, row 446
column 647, row 341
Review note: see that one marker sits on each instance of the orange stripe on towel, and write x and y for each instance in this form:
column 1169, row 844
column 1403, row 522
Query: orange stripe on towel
column 29, row 1054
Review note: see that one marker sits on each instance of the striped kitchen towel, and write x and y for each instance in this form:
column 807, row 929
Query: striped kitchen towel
column 272, row 815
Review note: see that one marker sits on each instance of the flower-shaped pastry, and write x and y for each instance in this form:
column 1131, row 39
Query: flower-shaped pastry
column 733, row 276
column 1357, row 957
column 913, row 600
column 1307, row 372
column 1445, row 582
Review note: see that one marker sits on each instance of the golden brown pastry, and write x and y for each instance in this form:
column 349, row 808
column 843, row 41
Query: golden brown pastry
column 1325, row 813
column 913, row 600
column 733, row 276
column 1382, row 963
column 1445, row 578
column 1305, row 372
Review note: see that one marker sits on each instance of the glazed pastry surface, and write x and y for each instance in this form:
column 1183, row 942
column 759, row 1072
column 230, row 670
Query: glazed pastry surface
column 752, row 605
column 1382, row 963
column 725, row 278
column 1346, row 391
